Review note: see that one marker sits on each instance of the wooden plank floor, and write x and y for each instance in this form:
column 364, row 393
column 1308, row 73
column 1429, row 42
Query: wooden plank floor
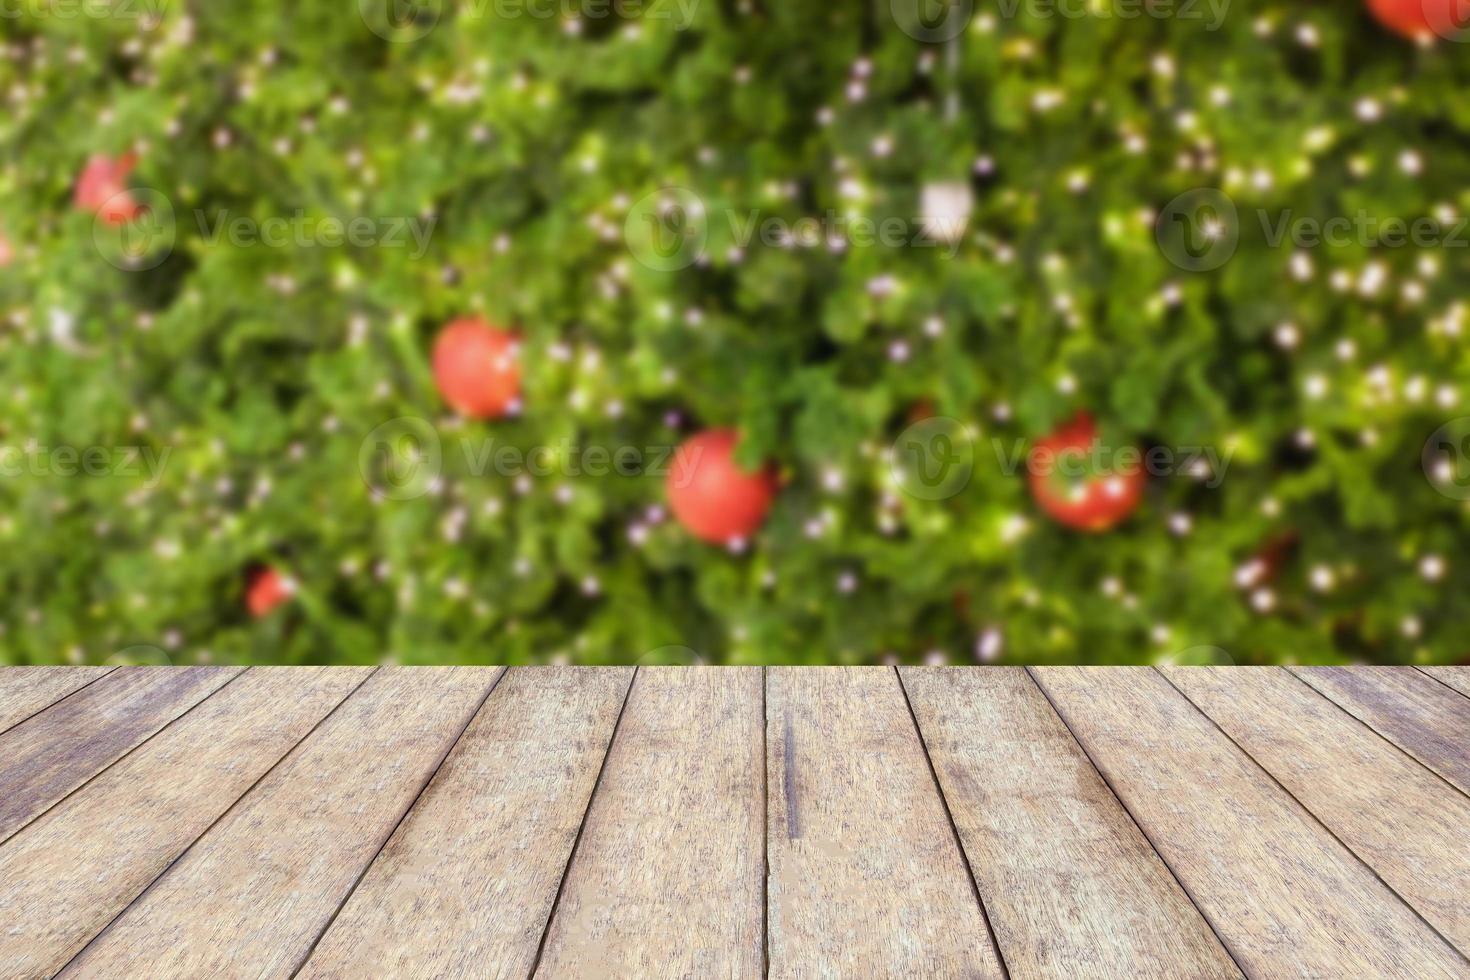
column 735, row 822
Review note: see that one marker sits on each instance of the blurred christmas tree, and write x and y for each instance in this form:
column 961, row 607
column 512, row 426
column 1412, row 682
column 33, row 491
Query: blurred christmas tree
column 893, row 248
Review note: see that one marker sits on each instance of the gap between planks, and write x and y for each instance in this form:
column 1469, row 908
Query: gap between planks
column 954, row 830
column 448, row 751
column 1193, row 899
column 217, row 820
column 561, row 883
column 6, row 836
column 1311, row 813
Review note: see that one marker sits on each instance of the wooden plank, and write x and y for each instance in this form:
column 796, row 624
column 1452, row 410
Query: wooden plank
column 465, row 886
column 666, row 878
column 253, row 894
column 1286, row 898
column 1402, row 820
column 24, row 691
column 1072, row 886
column 866, row 877
column 1415, row 712
column 67, row 874
column 1455, row 677
column 52, row 753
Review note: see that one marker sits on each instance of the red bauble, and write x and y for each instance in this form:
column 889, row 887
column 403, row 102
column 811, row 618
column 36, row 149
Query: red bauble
column 477, row 368
column 102, row 189
column 1421, row 20
column 1080, row 488
column 267, row 589
column 713, row 498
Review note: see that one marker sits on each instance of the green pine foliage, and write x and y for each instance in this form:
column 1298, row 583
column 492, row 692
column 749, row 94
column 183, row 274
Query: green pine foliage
column 255, row 373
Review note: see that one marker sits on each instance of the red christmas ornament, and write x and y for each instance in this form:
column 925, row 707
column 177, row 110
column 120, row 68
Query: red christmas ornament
column 267, row 589
column 1421, row 20
column 713, row 498
column 477, row 368
column 102, row 188
column 1081, row 487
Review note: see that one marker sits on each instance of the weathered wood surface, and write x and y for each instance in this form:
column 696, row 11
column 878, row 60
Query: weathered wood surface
column 735, row 822
column 24, row 691
column 1287, row 898
column 1402, row 820
column 866, row 877
column 1412, row 710
column 465, row 886
column 1072, row 885
column 48, row 755
column 70, row 872
column 1455, row 677
column 666, row 879
column 273, row 872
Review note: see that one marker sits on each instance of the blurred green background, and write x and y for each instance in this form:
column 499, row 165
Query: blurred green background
column 892, row 245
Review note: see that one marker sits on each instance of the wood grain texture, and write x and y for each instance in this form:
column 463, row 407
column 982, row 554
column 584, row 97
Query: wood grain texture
column 1287, row 899
column 253, row 894
column 1415, row 712
column 465, row 886
column 666, row 879
column 866, row 877
column 1073, row 887
column 1455, row 677
column 1403, row 821
column 24, row 691
column 52, row 753
column 65, row 876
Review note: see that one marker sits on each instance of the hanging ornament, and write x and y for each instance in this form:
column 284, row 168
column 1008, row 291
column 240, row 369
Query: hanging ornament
column 477, row 368
column 102, row 188
column 1423, row 21
column 711, row 496
column 1075, row 485
column 267, row 589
